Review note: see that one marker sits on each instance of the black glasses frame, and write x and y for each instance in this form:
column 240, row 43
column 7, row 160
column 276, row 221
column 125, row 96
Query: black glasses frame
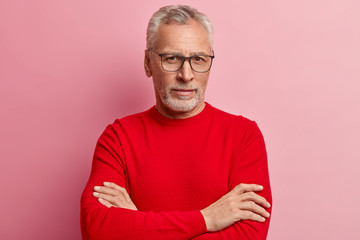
column 183, row 61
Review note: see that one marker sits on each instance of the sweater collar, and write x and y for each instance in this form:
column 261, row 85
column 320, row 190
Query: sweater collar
column 204, row 114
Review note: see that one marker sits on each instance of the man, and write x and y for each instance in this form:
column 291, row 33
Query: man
column 182, row 169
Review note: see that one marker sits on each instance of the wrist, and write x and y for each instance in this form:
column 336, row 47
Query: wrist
column 207, row 220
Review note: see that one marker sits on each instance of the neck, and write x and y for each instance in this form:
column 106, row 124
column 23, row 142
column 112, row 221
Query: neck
column 180, row 115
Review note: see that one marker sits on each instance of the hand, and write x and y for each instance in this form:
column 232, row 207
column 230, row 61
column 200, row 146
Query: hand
column 241, row 203
column 112, row 195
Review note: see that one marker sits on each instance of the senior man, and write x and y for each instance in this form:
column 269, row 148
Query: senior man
column 182, row 169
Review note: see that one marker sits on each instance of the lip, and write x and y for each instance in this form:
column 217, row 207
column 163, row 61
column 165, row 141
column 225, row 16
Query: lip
column 184, row 92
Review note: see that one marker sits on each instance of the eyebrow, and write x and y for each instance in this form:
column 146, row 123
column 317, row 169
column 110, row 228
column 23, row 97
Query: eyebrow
column 193, row 53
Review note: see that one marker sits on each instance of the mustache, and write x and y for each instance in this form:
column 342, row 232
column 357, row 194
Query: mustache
column 184, row 86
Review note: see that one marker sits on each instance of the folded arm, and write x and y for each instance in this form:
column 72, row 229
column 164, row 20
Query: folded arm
column 239, row 213
column 100, row 222
column 249, row 165
column 241, row 203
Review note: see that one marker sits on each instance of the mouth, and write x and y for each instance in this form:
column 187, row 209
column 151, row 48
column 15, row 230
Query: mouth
column 184, row 92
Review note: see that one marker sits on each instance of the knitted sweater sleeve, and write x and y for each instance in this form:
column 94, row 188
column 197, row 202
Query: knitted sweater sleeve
column 100, row 222
column 248, row 165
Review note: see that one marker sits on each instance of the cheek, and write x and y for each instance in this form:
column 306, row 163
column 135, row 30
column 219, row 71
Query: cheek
column 203, row 81
column 159, row 82
column 164, row 79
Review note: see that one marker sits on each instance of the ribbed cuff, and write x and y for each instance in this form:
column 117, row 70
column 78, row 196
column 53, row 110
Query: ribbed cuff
column 196, row 224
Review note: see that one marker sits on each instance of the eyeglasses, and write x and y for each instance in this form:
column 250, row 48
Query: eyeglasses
column 174, row 62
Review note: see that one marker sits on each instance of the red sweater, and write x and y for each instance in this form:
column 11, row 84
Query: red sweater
column 173, row 168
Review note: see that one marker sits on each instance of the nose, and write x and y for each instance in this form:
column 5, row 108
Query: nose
column 185, row 74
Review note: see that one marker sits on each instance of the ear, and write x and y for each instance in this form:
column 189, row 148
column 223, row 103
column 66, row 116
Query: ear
column 147, row 63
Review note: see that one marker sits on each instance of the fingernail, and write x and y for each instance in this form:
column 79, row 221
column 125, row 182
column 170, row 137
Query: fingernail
column 95, row 194
column 106, row 183
column 267, row 214
column 260, row 187
column 263, row 219
column 97, row 188
column 101, row 200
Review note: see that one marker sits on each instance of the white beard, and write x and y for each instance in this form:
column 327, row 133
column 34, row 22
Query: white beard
column 181, row 103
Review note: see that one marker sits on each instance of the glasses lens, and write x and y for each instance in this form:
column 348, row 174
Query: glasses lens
column 201, row 63
column 173, row 63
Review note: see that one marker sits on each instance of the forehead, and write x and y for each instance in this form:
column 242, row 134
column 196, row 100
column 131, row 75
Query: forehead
column 183, row 38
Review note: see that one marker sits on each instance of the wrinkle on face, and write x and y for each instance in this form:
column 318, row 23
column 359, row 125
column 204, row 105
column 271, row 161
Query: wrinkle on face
column 186, row 40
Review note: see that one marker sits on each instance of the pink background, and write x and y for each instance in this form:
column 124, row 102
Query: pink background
column 68, row 68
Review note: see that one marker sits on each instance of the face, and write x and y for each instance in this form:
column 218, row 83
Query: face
column 179, row 94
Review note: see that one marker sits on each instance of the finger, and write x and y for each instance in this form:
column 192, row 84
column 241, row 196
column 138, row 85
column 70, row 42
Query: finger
column 248, row 215
column 243, row 187
column 117, row 201
column 117, row 187
column 113, row 185
column 119, row 192
column 105, row 203
column 251, row 196
column 108, row 198
column 255, row 208
column 107, row 190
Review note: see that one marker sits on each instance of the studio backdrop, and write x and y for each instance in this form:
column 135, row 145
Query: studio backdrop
column 68, row 68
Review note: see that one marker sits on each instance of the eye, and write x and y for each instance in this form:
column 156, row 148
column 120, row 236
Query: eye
column 199, row 59
column 172, row 58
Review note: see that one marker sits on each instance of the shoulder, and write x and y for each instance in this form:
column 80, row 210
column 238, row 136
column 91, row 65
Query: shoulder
column 232, row 120
column 133, row 122
column 133, row 119
column 237, row 129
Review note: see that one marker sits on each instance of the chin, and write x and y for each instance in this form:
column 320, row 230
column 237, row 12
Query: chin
column 182, row 105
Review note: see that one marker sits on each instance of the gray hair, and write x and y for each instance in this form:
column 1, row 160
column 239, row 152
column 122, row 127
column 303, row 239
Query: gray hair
column 179, row 14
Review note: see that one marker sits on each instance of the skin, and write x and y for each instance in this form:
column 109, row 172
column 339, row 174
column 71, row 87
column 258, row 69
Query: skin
column 186, row 40
column 242, row 202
